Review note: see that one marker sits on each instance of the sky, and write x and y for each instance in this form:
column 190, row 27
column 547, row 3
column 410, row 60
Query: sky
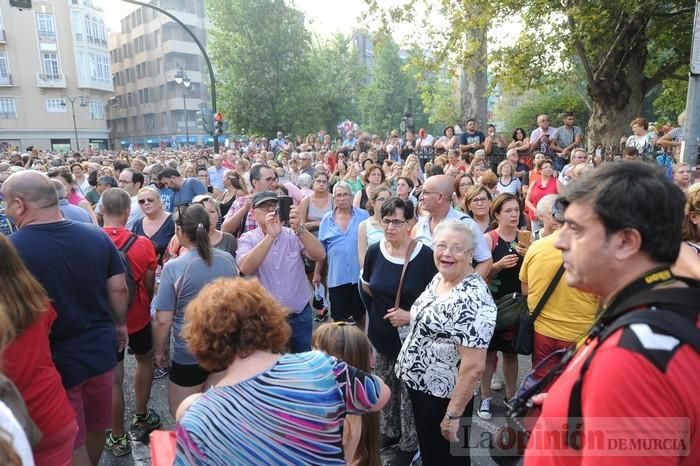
column 323, row 17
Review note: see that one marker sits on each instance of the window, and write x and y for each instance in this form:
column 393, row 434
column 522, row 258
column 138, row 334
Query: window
column 45, row 26
column 96, row 110
column 55, row 106
column 4, row 68
column 135, row 123
column 100, row 69
column 130, row 99
column 8, row 110
column 164, row 119
column 77, row 26
column 145, row 96
column 49, row 65
column 149, row 121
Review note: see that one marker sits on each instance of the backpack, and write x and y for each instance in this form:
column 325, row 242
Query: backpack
column 128, row 275
column 677, row 323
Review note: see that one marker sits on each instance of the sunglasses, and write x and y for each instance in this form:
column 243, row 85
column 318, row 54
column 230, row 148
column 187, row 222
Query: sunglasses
column 148, row 199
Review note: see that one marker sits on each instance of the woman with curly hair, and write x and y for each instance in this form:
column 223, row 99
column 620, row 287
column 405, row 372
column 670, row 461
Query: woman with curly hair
column 269, row 407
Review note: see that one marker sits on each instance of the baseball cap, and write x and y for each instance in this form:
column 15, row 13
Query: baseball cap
column 264, row 196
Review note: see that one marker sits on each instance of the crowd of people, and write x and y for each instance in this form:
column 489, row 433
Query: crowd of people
column 211, row 269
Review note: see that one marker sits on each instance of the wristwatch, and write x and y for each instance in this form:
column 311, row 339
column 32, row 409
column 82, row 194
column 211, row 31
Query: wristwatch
column 450, row 416
column 301, row 229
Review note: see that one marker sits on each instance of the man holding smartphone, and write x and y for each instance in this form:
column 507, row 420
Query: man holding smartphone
column 274, row 254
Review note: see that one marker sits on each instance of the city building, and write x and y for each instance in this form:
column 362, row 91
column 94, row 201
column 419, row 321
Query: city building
column 55, row 76
column 158, row 75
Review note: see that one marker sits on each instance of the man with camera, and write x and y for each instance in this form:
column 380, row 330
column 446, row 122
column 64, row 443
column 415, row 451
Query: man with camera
column 274, row 254
column 635, row 377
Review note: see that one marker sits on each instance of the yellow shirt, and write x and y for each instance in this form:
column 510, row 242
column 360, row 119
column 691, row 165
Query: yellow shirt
column 568, row 313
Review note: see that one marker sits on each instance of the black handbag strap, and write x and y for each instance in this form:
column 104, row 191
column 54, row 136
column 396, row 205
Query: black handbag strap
column 548, row 292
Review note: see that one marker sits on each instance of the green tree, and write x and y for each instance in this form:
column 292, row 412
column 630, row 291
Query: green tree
column 261, row 52
column 625, row 49
column 554, row 101
column 671, row 101
column 383, row 100
column 338, row 75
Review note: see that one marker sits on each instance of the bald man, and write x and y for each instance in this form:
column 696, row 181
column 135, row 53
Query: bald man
column 81, row 270
column 437, row 201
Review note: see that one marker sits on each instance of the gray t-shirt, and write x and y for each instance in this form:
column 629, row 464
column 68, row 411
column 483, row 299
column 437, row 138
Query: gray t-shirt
column 565, row 136
column 181, row 281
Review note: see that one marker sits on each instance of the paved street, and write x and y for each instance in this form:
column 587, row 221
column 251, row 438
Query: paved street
column 141, row 456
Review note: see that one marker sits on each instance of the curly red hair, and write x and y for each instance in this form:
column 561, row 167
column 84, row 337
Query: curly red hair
column 234, row 317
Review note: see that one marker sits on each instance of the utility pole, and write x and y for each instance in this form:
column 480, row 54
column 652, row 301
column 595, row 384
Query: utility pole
column 72, row 100
column 182, row 78
column 691, row 131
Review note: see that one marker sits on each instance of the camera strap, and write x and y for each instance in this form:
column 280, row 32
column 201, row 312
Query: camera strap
column 677, row 317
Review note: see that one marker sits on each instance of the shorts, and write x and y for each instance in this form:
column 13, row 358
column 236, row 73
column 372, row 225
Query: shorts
column 92, row 402
column 504, row 340
column 140, row 342
column 345, row 302
column 188, row 375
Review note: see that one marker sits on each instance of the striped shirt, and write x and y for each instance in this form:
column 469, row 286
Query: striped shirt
column 291, row 413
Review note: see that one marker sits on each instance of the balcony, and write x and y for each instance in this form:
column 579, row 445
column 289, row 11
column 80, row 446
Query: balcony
column 47, row 36
column 3, row 39
column 6, row 80
column 180, row 46
column 56, row 81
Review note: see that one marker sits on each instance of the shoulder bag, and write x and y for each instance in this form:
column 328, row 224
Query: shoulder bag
column 526, row 324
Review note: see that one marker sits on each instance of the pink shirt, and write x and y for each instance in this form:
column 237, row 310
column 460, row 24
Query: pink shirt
column 74, row 198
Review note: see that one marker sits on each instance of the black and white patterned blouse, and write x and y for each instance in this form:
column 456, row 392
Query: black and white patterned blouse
column 440, row 324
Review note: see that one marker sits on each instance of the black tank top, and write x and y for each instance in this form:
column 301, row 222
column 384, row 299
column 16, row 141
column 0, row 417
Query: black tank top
column 507, row 280
column 363, row 199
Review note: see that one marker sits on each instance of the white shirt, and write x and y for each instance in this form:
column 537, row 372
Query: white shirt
column 15, row 435
column 425, row 236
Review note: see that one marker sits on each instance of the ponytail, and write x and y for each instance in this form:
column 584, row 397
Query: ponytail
column 202, row 241
column 194, row 223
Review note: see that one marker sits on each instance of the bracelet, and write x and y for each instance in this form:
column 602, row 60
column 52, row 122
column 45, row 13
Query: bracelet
column 450, row 417
column 301, row 229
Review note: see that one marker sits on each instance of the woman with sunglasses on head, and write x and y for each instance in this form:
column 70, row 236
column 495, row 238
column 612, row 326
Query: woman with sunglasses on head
column 382, row 269
column 157, row 224
column 182, row 279
column 315, row 205
column 234, row 186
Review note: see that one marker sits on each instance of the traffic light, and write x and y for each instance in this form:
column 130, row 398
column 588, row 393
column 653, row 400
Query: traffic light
column 21, row 4
column 218, row 124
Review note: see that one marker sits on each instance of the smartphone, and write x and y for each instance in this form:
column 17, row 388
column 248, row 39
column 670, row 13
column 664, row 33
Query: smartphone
column 524, row 237
column 283, row 206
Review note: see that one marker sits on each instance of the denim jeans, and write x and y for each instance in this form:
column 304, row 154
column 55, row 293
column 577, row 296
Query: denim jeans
column 302, row 326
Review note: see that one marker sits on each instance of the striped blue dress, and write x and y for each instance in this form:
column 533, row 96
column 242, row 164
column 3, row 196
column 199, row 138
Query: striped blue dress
column 291, row 414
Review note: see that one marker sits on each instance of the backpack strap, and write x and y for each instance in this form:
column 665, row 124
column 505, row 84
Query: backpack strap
column 675, row 323
column 129, row 242
column 494, row 240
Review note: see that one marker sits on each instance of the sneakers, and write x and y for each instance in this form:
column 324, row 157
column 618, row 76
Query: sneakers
column 322, row 315
column 145, row 424
column 496, row 384
column 160, row 372
column 485, row 409
column 118, row 446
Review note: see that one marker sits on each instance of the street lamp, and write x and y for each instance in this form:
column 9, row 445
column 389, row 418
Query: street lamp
column 83, row 102
column 182, row 78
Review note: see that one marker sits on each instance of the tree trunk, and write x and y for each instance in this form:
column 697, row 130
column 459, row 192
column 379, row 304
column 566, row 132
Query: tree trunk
column 618, row 90
column 473, row 81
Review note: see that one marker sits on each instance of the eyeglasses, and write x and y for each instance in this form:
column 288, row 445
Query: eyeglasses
column 150, row 200
column 479, row 200
column 457, row 251
column 395, row 222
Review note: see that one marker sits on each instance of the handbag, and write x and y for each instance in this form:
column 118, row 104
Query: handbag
column 404, row 329
column 526, row 324
column 510, row 308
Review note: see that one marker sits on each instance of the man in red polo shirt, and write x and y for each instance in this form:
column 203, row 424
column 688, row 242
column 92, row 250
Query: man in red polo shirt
column 142, row 264
column 639, row 403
